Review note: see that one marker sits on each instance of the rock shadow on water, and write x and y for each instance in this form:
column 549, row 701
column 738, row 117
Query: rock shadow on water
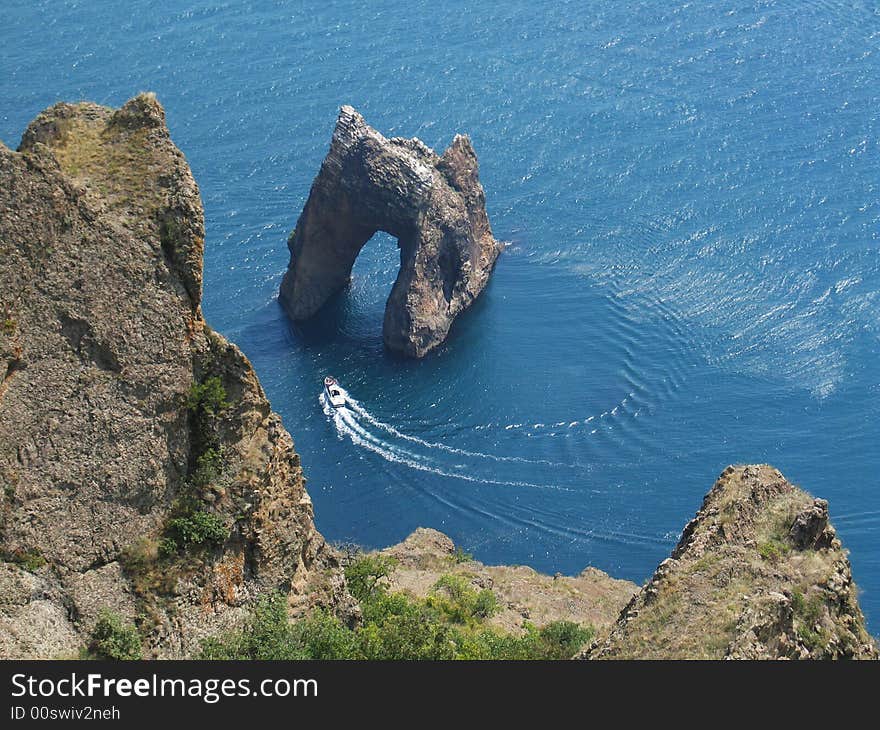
column 341, row 323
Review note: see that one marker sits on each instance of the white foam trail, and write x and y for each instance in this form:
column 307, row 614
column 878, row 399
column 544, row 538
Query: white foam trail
column 355, row 406
column 351, row 424
column 543, row 426
column 347, row 425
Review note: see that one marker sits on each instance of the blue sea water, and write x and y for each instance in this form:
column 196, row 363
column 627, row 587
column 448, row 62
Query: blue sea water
column 690, row 192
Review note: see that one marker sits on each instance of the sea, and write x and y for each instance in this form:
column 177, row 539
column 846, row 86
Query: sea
column 690, row 196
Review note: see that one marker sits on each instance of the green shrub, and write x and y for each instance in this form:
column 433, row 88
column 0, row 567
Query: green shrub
column 806, row 609
column 322, row 636
column 772, row 550
column 197, row 528
column 209, row 396
column 397, row 626
column 208, row 467
column 811, row 638
column 557, row 640
column 808, row 615
column 167, row 548
column 449, row 624
column 563, row 639
column 454, row 597
column 484, row 604
column 206, row 401
column 113, row 639
column 30, row 559
column 460, row 556
column 170, row 236
column 493, row 644
column 367, row 575
column 269, row 635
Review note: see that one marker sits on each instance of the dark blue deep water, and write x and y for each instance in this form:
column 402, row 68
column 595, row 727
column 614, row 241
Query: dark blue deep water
column 690, row 192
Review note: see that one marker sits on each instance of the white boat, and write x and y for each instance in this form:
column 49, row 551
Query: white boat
column 333, row 392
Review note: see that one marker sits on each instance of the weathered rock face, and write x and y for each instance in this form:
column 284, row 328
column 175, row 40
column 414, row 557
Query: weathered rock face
column 434, row 206
column 758, row 574
column 101, row 343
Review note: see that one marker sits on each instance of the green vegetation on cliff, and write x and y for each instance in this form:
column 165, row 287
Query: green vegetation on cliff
column 112, row 638
column 30, row 559
column 450, row 623
column 196, row 528
column 190, row 526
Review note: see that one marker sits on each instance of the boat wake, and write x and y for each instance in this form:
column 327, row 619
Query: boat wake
column 373, row 421
column 366, row 431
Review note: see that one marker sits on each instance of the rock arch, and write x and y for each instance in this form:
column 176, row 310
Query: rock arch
column 434, row 205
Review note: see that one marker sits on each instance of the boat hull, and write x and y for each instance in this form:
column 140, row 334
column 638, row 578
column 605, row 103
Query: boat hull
column 336, row 401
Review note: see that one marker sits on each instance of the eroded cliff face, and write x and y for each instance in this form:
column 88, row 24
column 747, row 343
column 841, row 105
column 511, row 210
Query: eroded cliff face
column 103, row 437
column 759, row 573
column 434, row 205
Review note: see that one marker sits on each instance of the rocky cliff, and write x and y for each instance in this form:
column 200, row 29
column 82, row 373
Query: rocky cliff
column 759, row 573
column 433, row 204
column 142, row 468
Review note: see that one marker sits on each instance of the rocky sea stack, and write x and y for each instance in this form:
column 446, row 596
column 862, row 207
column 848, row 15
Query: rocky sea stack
column 433, row 204
column 142, row 469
